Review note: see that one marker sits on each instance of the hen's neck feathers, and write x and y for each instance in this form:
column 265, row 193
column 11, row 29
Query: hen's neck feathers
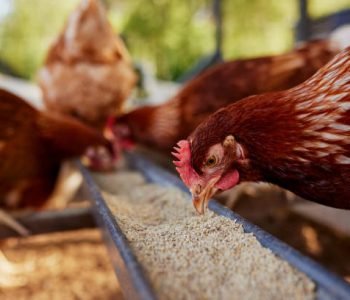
column 311, row 120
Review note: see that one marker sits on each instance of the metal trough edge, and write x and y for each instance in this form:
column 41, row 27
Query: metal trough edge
column 131, row 277
column 329, row 285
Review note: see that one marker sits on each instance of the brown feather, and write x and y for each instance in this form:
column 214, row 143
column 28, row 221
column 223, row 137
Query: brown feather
column 298, row 139
column 32, row 146
column 222, row 85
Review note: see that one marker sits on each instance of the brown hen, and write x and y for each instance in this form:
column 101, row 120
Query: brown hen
column 32, row 146
column 163, row 125
column 298, row 139
column 88, row 72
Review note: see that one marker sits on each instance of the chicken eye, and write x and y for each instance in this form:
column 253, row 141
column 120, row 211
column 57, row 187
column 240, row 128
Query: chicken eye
column 211, row 161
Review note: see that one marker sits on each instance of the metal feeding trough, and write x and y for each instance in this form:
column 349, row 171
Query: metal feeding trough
column 132, row 280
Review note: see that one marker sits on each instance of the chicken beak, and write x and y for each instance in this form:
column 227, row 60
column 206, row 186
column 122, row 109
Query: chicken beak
column 201, row 197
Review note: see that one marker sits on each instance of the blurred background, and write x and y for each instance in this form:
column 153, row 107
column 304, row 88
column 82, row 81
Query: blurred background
column 171, row 36
column 173, row 39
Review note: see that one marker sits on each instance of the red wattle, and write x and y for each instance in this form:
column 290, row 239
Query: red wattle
column 228, row 181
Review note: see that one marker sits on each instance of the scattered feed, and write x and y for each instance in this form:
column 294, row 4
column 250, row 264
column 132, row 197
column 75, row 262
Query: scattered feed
column 187, row 256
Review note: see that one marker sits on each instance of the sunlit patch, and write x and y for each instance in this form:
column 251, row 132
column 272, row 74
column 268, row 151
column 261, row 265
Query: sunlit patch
column 341, row 127
column 6, row 8
column 342, row 159
column 303, row 116
column 316, row 127
column 321, row 154
column 330, row 75
column 323, row 149
column 345, row 105
column 332, row 136
column 337, row 97
column 301, row 149
column 304, row 105
column 319, row 98
column 317, row 145
column 303, row 159
column 311, row 240
column 341, row 61
column 341, row 81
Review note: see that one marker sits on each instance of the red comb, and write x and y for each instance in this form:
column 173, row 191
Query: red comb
column 183, row 164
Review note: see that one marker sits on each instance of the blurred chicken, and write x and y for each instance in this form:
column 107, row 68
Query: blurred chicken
column 32, row 146
column 163, row 125
column 88, row 73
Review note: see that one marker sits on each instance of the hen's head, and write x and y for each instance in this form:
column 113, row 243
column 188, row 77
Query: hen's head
column 102, row 156
column 103, row 150
column 118, row 131
column 208, row 168
column 138, row 125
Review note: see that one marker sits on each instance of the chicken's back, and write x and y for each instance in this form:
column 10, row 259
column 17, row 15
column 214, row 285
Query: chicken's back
column 32, row 146
column 234, row 80
column 26, row 175
column 163, row 125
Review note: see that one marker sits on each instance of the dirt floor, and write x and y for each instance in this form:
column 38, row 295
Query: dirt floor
column 72, row 265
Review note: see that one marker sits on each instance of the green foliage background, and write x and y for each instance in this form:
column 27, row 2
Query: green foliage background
column 171, row 34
